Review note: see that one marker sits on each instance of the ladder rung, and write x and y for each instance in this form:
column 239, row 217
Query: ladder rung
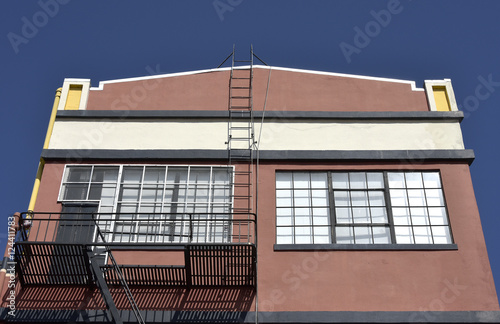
column 240, row 87
column 240, row 127
column 241, row 197
column 240, row 107
column 235, row 78
column 242, row 172
column 240, row 97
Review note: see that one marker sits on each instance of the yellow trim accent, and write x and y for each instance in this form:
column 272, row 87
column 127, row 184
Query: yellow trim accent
column 36, row 185
column 74, row 97
column 441, row 98
column 52, row 119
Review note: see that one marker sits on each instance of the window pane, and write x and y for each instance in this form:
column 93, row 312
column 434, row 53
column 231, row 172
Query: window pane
column 284, row 212
column 177, row 175
column 396, row 179
column 379, row 215
column 431, row 180
column 437, row 216
column 154, row 174
column 301, row 198
column 320, row 198
column 416, row 197
column 414, row 180
column 302, row 220
column 152, row 194
column 398, row 197
column 340, row 181
column 284, row 240
column 343, row 215
column 284, row 180
column 175, row 194
column 342, row 198
column 78, row 174
column 375, row 180
column 75, row 191
column 221, row 175
column 319, row 180
column 221, row 194
column 198, row 194
column 363, row 235
column 361, row 215
column 303, row 235
column 284, row 231
column 357, row 180
column 199, row 175
column 281, row 220
column 132, row 174
column 441, row 235
column 422, row 234
column 321, row 235
column 381, row 235
column 301, row 180
column 105, row 174
column 345, row 235
column 376, row 198
column 401, row 216
column 434, row 197
column 130, row 193
column 419, row 216
column 359, row 198
column 404, row 234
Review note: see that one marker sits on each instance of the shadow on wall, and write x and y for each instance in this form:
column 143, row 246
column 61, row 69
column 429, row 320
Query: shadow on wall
column 185, row 305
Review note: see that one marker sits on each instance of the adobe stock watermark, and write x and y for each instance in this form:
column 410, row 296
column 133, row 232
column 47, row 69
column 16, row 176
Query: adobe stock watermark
column 292, row 279
column 447, row 295
column 11, row 269
column 373, row 28
column 94, row 137
column 223, row 6
column 31, row 27
column 482, row 92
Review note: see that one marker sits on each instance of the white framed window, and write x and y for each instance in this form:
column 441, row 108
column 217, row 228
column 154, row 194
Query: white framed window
column 379, row 207
column 155, row 203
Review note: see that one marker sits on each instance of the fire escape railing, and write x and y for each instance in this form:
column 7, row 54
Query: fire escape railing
column 138, row 229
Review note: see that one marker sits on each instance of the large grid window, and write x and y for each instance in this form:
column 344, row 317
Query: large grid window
column 137, row 199
column 360, row 208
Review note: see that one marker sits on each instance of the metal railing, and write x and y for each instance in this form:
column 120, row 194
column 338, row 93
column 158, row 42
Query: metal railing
column 113, row 229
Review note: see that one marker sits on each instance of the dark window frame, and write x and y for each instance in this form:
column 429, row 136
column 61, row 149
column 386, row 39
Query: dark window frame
column 393, row 245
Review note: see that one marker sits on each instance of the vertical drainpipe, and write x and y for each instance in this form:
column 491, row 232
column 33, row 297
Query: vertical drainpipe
column 36, row 186
column 39, row 172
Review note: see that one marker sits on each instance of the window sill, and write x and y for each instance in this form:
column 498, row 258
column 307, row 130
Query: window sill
column 365, row 247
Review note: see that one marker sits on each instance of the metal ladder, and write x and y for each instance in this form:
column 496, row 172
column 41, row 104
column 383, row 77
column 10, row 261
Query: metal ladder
column 241, row 134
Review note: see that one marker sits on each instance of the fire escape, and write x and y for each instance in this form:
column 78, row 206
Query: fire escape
column 60, row 249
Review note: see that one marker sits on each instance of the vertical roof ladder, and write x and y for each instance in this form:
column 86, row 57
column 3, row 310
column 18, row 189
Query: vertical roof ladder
column 241, row 143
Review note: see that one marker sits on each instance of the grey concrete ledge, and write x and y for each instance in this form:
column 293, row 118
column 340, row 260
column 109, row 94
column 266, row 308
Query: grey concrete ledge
column 403, row 156
column 269, row 115
column 364, row 247
column 158, row 316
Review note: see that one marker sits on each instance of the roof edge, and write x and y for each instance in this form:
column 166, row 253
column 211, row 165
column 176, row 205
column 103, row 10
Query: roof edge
column 169, row 75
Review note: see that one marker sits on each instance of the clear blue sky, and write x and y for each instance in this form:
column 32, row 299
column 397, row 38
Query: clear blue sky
column 41, row 44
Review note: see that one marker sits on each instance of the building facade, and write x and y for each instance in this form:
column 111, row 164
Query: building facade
column 216, row 195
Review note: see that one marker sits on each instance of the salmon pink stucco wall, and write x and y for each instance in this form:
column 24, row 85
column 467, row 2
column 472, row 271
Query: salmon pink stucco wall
column 448, row 280
column 288, row 90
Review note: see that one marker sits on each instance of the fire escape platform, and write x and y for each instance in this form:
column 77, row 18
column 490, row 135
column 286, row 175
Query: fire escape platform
column 45, row 255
